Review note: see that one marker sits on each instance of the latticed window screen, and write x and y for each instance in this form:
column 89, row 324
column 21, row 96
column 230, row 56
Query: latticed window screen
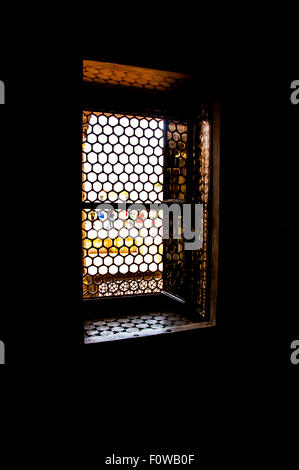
column 144, row 160
column 122, row 163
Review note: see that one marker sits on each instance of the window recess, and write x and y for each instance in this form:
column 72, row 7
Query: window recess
column 141, row 150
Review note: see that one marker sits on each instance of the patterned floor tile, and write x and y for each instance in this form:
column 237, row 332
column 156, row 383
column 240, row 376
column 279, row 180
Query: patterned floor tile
column 135, row 325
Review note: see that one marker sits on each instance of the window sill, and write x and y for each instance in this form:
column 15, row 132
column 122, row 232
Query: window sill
column 138, row 325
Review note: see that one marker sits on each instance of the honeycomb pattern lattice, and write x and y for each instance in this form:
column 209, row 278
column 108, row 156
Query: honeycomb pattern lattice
column 175, row 190
column 122, row 162
column 122, row 252
column 122, row 158
column 175, row 275
column 176, row 160
column 134, row 159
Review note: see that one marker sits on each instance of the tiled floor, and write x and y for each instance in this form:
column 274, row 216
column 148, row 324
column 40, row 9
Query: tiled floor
column 136, row 325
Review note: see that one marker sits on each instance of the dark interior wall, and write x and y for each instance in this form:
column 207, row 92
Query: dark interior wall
column 183, row 391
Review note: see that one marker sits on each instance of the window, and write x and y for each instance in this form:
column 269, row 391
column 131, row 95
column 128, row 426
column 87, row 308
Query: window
column 122, row 163
column 143, row 165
